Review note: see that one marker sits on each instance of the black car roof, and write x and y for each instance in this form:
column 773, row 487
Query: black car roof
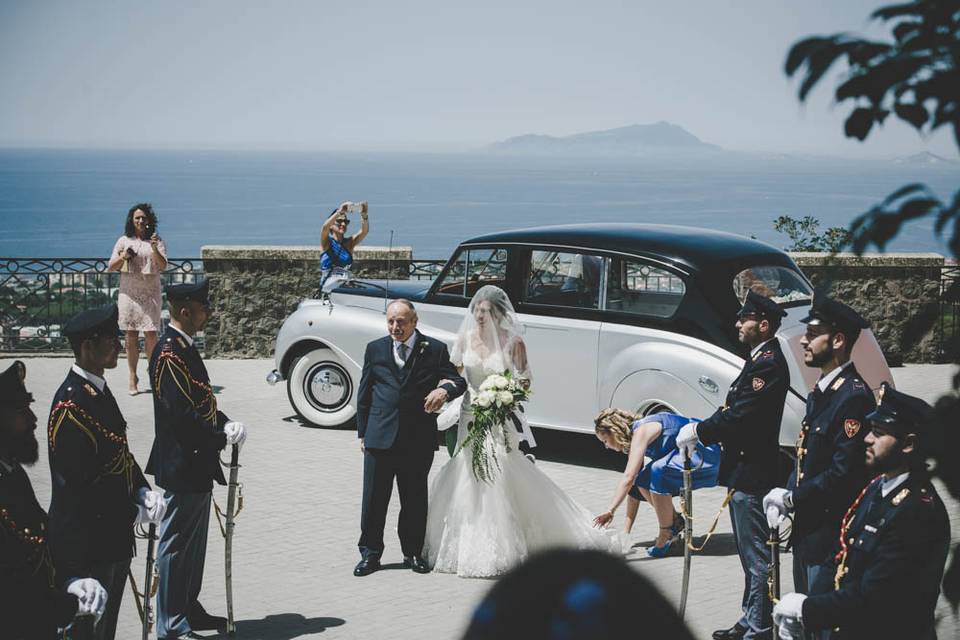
column 694, row 247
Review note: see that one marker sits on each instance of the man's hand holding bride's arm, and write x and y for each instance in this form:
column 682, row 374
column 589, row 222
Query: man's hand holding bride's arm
column 435, row 399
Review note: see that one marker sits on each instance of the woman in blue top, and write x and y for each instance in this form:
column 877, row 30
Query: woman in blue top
column 659, row 480
column 336, row 247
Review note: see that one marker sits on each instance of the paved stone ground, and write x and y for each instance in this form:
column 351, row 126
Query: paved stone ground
column 296, row 539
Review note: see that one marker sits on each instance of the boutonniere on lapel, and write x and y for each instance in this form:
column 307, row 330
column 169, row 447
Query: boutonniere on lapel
column 90, row 390
column 423, row 347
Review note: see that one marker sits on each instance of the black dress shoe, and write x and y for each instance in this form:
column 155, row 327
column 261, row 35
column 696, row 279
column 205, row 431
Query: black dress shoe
column 200, row 620
column 205, row 622
column 417, row 563
column 366, row 566
column 735, row 632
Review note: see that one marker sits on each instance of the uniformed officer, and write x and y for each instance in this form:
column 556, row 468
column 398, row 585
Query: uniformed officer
column 831, row 468
column 748, row 428
column 99, row 492
column 185, row 460
column 33, row 603
column 894, row 539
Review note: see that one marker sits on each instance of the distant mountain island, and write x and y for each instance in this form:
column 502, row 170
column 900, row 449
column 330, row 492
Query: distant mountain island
column 925, row 159
column 665, row 141
column 637, row 139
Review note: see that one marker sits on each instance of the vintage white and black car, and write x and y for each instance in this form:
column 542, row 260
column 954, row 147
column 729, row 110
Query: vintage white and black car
column 635, row 316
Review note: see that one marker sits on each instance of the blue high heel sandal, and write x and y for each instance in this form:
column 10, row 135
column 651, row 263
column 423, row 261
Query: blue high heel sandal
column 664, row 551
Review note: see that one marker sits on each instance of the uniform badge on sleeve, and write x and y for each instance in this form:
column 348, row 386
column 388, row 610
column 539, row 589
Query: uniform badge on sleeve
column 758, row 384
column 851, row 427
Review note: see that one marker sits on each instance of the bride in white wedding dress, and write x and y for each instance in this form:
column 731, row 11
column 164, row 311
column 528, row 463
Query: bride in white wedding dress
column 483, row 529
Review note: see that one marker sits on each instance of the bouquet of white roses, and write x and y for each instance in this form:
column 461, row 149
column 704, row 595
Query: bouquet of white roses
column 498, row 397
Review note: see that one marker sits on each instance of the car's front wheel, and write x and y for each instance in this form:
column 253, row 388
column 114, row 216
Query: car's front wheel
column 320, row 388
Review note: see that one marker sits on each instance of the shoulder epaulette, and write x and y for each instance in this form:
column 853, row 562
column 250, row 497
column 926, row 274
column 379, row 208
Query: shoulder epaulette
column 68, row 411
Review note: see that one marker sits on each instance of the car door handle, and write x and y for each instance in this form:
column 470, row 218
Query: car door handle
column 708, row 384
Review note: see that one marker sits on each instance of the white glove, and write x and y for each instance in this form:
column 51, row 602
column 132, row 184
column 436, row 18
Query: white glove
column 687, row 439
column 790, row 629
column 788, row 616
column 151, row 506
column 774, row 517
column 236, row 433
column 91, row 596
column 776, row 499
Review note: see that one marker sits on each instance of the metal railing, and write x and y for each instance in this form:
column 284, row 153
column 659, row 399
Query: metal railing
column 950, row 313
column 425, row 269
column 39, row 295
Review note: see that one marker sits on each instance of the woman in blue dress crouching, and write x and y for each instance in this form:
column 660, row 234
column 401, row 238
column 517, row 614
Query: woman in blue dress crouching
column 655, row 480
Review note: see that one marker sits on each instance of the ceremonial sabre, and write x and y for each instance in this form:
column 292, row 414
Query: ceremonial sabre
column 773, row 571
column 686, row 504
column 149, row 585
column 144, row 601
column 234, row 505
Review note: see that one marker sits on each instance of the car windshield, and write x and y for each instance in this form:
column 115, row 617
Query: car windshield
column 780, row 284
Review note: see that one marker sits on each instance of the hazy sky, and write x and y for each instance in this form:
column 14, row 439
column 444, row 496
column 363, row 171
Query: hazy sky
column 427, row 74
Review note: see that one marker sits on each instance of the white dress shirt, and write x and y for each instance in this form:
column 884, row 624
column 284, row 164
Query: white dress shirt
column 410, row 342
column 93, row 379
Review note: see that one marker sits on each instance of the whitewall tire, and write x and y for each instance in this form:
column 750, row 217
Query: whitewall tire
column 320, row 388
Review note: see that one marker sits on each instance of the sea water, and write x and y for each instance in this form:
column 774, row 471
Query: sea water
column 73, row 203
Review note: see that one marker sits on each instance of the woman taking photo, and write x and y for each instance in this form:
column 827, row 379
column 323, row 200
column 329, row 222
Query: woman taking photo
column 656, row 482
column 140, row 256
column 337, row 248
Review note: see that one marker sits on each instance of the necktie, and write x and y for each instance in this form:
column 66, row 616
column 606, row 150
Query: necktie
column 402, row 349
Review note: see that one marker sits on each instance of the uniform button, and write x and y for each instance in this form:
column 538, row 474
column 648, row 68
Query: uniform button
column 850, row 541
column 800, row 475
column 742, row 453
column 195, row 451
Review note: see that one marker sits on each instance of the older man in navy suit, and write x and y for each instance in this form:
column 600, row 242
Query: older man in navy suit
column 406, row 378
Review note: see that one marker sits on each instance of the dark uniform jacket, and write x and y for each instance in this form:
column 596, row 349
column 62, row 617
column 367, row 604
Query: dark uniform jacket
column 830, row 470
column 32, row 603
column 390, row 399
column 189, row 428
column 897, row 550
column 95, row 479
column 748, row 425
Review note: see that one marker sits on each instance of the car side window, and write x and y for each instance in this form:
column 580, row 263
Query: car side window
column 472, row 269
column 454, row 280
column 564, row 279
column 633, row 286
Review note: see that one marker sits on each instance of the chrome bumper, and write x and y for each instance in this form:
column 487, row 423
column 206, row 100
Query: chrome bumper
column 274, row 377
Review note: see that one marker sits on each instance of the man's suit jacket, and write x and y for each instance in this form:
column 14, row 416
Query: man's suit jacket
column 748, row 425
column 390, row 399
column 831, row 468
column 95, row 479
column 189, row 428
column 32, row 602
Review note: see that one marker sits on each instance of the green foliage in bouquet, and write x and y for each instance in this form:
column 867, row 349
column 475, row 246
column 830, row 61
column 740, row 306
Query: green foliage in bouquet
column 497, row 398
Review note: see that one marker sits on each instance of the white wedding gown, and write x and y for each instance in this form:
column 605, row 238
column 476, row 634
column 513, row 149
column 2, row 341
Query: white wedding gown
column 483, row 529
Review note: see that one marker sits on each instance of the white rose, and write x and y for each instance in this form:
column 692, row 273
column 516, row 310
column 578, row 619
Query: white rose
column 486, row 384
column 500, row 382
column 505, row 397
column 483, row 399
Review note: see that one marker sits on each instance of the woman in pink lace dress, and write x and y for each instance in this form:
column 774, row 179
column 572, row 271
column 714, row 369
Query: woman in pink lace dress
column 140, row 256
